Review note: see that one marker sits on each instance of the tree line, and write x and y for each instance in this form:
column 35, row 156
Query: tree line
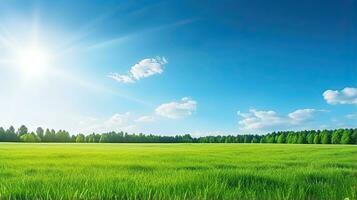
column 336, row 136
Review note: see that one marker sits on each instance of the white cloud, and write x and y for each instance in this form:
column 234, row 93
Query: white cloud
column 200, row 133
column 148, row 67
column 121, row 78
column 145, row 119
column 145, row 68
column 301, row 115
column 117, row 122
column 351, row 116
column 256, row 120
column 348, row 95
column 127, row 121
column 174, row 110
column 118, row 119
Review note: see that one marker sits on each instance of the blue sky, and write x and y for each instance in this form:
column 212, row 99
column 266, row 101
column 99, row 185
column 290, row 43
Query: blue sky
column 174, row 67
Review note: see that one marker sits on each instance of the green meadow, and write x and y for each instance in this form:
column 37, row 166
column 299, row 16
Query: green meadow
column 177, row 171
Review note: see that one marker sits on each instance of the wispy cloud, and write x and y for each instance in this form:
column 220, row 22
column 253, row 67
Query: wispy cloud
column 117, row 122
column 145, row 119
column 351, row 116
column 127, row 121
column 110, row 42
column 121, row 78
column 145, row 68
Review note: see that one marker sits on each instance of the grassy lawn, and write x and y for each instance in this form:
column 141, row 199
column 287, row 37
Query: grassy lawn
column 177, row 171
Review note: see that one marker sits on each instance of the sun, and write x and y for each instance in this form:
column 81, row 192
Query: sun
column 33, row 61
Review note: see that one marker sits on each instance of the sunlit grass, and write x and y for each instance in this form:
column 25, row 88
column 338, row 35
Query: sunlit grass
column 177, row 171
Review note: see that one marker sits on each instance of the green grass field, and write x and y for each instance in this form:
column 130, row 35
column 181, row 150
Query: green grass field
column 177, row 171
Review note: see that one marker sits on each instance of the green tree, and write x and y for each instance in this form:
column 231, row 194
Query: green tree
column 262, row 140
column 40, row 132
column 255, row 140
column 28, row 137
column 281, row 138
column 47, row 136
column 2, row 134
column 104, row 138
column 91, row 138
column 325, row 137
column 11, row 135
column 80, row 138
column 317, row 139
column 336, row 136
column 97, row 137
column 11, row 129
column 292, row 138
column 354, row 136
column 247, row 139
column 301, row 138
column 62, row 136
column 346, row 137
column 270, row 139
column 310, row 138
column 53, row 135
column 50, row 136
column 22, row 130
column 73, row 138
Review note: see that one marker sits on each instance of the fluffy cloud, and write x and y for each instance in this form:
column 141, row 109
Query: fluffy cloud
column 174, row 110
column 148, row 67
column 118, row 122
column 346, row 96
column 301, row 115
column 256, row 120
column 145, row 68
column 118, row 119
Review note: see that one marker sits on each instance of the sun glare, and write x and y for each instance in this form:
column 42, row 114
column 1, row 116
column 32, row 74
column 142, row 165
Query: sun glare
column 33, row 61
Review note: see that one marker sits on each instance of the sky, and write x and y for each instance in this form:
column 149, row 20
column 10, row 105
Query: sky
column 177, row 67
